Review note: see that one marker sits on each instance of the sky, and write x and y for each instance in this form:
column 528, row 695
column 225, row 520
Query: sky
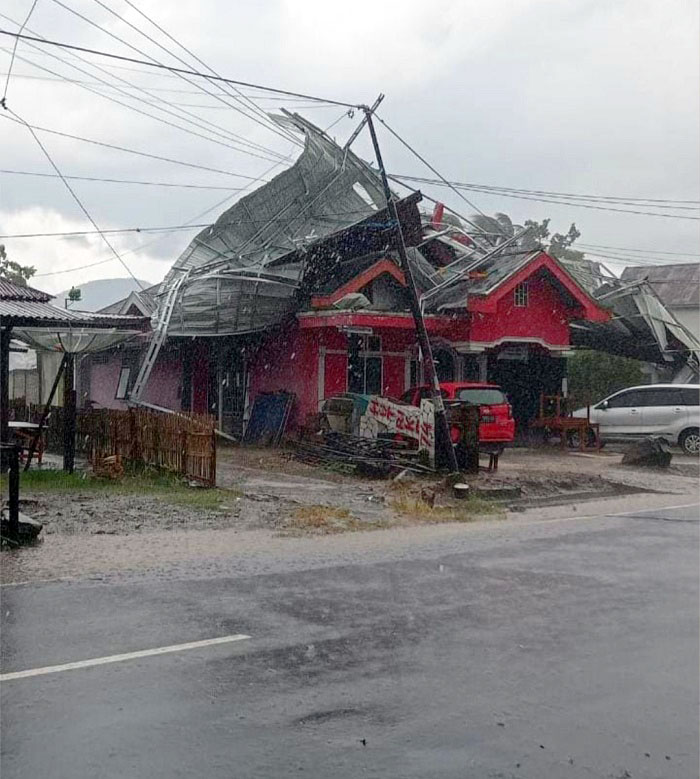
column 577, row 96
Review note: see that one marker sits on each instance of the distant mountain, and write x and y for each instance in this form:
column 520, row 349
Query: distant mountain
column 100, row 293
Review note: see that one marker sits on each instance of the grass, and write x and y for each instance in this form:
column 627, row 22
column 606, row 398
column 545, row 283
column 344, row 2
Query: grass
column 464, row 511
column 316, row 519
column 148, row 483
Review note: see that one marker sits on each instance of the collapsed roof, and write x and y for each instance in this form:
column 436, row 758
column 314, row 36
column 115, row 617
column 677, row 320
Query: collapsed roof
column 256, row 264
column 227, row 282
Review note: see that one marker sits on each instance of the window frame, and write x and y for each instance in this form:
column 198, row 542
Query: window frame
column 521, row 295
column 365, row 353
column 122, row 393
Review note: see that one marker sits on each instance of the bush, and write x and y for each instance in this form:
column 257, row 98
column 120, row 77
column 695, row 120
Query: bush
column 595, row 375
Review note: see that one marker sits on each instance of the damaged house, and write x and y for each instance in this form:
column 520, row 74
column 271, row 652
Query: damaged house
column 298, row 287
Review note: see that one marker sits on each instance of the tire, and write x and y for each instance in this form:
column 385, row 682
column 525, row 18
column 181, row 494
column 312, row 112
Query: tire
column 689, row 441
column 573, row 439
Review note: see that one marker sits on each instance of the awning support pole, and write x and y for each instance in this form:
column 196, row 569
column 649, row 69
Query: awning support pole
column 444, row 451
column 45, row 413
column 69, row 413
column 5, row 335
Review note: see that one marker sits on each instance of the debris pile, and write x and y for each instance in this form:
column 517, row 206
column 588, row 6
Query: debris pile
column 652, row 452
column 355, row 454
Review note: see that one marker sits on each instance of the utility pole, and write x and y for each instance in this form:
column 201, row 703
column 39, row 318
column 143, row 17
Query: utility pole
column 443, row 442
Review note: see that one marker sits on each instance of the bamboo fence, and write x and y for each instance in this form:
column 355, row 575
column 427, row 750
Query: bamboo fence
column 182, row 442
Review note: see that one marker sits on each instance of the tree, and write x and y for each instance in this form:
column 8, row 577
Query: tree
column 74, row 295
column 13, row 271
column 594, row 375
column 560, row 243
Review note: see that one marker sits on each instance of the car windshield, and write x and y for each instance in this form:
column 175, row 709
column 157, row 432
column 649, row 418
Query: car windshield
column 481, row 396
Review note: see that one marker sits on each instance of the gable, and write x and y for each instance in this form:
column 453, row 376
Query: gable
column 379, row 280
column 574, row 298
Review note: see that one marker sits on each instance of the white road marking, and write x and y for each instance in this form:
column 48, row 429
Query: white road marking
column 574, row 517
column 161, row 650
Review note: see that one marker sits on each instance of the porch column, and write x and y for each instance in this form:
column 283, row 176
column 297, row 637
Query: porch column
column 5, row 334
column 482, row 361
column 69, row 413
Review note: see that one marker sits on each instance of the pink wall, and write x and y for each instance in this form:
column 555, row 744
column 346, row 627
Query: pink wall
column 164, row 383
column 162, row 387
column 104, row 378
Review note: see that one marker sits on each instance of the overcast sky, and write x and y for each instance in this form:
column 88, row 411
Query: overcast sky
column 595, row 97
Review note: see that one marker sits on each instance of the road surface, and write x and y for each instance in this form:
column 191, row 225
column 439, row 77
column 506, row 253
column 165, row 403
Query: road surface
column 565, row 647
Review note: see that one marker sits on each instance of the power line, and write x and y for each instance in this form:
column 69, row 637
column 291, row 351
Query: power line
column 131, row 151
column 74, row 196
column 641, row 251
column 557, row 194
column 263, row 119
column 14, row 52
column 145, row 113
column 172, row 69
column 216, row 205
column 168, row 228
column 428, row 165
column 555, row 202
column 267, row 124
column 119, row 181
column 200, row 121
column 205, row 106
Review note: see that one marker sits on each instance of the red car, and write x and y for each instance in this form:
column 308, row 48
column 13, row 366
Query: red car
column 497, row 426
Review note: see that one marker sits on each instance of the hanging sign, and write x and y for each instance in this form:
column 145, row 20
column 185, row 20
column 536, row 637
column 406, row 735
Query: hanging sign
column 383, row 415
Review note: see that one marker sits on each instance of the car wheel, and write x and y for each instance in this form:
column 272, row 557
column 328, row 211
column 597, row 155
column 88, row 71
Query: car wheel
column 574, row 439
column 690, row 441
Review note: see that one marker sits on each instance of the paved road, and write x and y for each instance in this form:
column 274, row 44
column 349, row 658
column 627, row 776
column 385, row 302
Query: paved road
column 522, row 649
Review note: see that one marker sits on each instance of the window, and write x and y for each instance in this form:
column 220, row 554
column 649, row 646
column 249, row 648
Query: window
column 660, row 397
column 691, row 397
column 522, row 295
column 123, row 385
column 626, row 400
column 415, row 377
column 485, row 396
column 444, row 365
column 364, row 364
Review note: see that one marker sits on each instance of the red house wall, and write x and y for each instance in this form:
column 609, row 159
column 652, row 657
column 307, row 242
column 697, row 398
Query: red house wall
column 546, row 316
column 288, row 360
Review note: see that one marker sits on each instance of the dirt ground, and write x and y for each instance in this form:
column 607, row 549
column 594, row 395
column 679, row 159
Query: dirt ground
column 267, row 489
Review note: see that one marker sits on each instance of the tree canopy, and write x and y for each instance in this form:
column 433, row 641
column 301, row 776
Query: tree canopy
column 13, row 271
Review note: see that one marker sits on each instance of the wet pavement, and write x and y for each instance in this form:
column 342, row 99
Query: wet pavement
column 553, row 646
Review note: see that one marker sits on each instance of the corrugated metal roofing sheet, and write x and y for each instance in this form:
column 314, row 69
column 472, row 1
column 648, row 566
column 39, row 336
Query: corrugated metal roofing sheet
column 677, row 285
column 11, row 291
column 46, row 312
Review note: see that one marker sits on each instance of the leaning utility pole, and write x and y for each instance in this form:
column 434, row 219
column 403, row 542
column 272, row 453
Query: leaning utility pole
column 443, row 442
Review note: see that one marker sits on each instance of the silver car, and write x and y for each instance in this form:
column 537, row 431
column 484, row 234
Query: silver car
column 671, row 411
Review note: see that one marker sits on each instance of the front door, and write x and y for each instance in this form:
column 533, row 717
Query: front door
column 663, row 410
column 620, row 415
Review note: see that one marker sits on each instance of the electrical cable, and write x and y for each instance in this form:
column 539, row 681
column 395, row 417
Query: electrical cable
column 216, row 205
column 73, row 194
column 264, row 119
column 641, row 251
column 119, row 181
column 145, row 113
column 572, row 204
column 200, row 121
column 131, row 151
column 267, row 123
column 555, row 194
column 428, row 165
column 172, row 69
column 14, row 52
column 168, row 228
